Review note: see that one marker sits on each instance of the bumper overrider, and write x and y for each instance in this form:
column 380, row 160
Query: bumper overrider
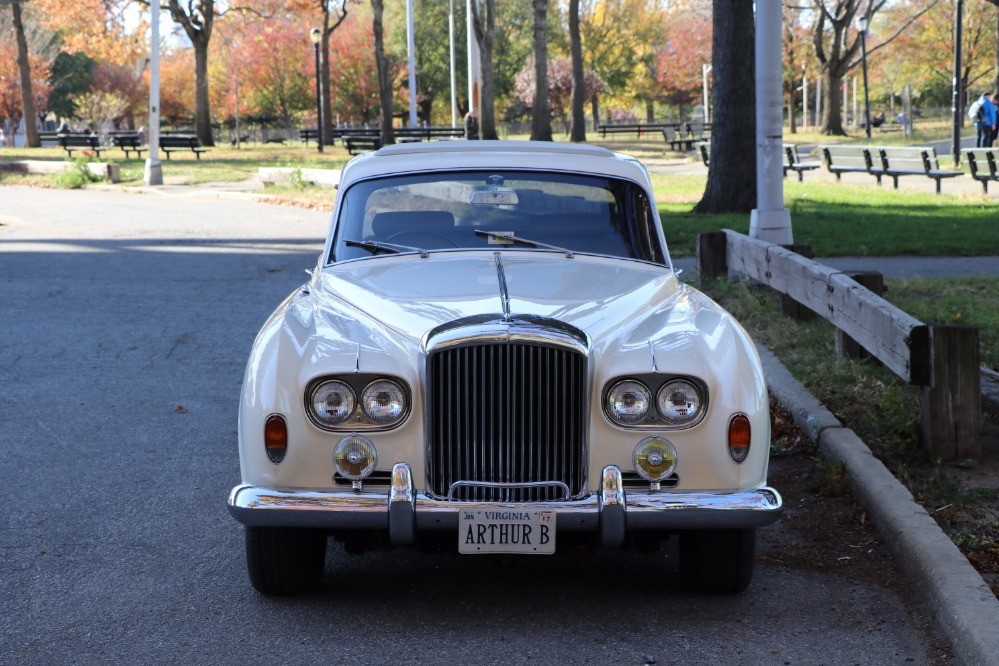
column 405, row 512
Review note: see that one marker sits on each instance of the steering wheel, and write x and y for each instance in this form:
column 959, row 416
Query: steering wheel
column 417, row 233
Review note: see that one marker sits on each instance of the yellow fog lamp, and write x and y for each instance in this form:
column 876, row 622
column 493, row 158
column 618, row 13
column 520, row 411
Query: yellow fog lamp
column 655, row 459
column 354, row 458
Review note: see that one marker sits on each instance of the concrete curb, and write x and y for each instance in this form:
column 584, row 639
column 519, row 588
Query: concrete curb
column 961, row 603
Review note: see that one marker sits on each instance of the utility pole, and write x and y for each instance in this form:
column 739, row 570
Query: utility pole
column 956, row 85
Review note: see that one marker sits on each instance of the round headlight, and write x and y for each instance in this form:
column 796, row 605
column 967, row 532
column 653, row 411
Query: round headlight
column 354, row 457
column 628, row 401
column 333, row 402
column 679, row 401
column 383, row 401
column 655, row 458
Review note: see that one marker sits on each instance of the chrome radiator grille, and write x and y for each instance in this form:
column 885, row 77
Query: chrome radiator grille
column 508, row 413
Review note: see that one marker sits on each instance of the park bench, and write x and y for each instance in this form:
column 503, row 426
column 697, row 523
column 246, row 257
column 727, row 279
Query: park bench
column 791, row 158
column 629, row 128
column 49, row 138
column 913, row 161
column 792, row 161
column 128, row 142
column 983, row 163
column 171, row 143
column 307, row 134
column 851, row 159
column 698, row 131
column 429, row 133
column 71, row 142
column 358, row 144
column 677, row 142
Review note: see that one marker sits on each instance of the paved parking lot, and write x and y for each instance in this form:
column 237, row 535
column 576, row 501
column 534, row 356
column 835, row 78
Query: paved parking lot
column 125, row 321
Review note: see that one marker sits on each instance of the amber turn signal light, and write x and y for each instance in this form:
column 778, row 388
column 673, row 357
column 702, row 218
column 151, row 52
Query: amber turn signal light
column 275, row 437
column 739, row 436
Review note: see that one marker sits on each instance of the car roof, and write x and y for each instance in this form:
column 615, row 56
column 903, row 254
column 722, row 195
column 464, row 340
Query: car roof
column 461, row 154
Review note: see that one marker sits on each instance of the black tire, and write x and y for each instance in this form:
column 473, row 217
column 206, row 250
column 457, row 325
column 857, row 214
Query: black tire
column 285, row 560
column 717, row 561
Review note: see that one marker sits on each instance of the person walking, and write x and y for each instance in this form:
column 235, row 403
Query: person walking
column 983, row 112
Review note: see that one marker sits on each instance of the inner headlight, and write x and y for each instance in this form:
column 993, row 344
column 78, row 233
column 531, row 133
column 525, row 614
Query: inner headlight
column 383, row 401
column 333, row 402
column 628, row 401
column 679, row 401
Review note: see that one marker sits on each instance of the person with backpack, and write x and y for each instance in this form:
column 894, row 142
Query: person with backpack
column 983, row 112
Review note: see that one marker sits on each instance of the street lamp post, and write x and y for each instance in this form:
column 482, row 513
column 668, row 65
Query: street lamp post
column 316, row 36
column 957, row 109
column 862, row 25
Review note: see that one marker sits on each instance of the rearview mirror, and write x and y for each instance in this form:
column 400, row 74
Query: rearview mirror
column 494, row 197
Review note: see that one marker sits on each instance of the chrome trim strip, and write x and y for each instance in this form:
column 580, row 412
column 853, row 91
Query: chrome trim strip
column 612, row 507
column 504, row 292
column 402, row 506
column 500, row 331
column 251, row 505
column 505, row 486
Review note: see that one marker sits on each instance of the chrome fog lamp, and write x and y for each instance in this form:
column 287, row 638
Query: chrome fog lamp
column 354, row 458
column 332, row 402
column 655, row 459
column 679, row 402
column 384, row 402
column 628, row 401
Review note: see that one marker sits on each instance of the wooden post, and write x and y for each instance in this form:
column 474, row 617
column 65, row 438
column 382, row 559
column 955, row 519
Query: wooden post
column 712, row 255
column 788, row 306
column 952, row 404
column 845, row 345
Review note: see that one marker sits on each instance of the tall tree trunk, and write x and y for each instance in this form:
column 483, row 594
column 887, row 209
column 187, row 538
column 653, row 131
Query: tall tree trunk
column 731, row 183
column 577, row 132
column 541, row 117
column 198, row 26
column 325, row 99
column 485, row 35
column 650, row 111
column 24, row 65
column 832, row 113
column 595, row 108
column 202, row 102
column 384, row 82
column 995, row 83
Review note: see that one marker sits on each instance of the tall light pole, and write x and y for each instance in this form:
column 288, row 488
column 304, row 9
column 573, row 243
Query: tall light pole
column 862, row 26
column 316, row 36
column 411, row 54
column 956, row 85
column 153, row 173
column 454, row 88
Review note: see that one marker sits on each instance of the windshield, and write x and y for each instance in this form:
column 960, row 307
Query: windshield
column 437, row 211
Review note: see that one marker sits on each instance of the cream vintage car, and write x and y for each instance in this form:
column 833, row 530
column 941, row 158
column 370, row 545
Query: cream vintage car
column 494, row 350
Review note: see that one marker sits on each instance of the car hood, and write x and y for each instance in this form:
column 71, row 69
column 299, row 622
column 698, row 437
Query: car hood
column 413, row 295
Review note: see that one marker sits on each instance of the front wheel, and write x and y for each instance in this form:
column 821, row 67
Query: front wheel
column 717, row 561
column 285, row 560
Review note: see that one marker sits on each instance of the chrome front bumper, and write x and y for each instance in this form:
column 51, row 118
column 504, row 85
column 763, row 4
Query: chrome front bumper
column 404, row 512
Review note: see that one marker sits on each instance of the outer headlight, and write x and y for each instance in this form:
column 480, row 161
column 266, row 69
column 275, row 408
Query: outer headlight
column 679, row 402
column 383, row 402
column 628, row 401
column 333, row 402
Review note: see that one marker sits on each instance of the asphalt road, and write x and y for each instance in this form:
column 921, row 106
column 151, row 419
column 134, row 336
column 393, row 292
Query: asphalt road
column 125, row 321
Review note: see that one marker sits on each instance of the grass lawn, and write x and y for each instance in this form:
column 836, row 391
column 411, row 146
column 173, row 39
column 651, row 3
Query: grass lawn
column 839, row 220
column 222, row 164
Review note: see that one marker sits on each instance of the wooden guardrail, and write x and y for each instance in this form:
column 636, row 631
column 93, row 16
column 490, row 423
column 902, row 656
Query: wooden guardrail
column 943, row 359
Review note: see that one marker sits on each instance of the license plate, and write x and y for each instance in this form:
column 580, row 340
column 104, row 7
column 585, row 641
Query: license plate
column 506, row 531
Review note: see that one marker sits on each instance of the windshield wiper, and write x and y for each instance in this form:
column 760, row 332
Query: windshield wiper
column 497, row 235
column 391, row 248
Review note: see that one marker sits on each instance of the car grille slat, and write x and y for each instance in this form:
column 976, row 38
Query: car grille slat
column 509, row 413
